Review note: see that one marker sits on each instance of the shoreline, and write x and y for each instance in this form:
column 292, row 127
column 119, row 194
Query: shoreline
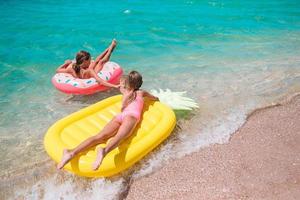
column 131, row 189
column 257, row 162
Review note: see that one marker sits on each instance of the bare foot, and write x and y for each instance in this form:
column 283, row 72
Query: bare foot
column 67, row 156
column 99, row 158
column 114, row 43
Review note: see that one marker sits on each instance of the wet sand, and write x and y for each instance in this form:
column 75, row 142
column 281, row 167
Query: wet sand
column 261, row 161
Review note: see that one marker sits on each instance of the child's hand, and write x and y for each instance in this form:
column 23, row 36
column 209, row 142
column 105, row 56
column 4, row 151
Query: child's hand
column 117, row 86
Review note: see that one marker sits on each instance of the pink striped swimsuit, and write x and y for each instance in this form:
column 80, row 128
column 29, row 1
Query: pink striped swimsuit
column 134, row 109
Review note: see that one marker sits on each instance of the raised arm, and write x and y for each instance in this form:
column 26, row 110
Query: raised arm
column 101, row 81
column 64, row 67
column 150, row 96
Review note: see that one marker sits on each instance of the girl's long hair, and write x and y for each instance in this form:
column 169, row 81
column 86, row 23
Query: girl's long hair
column 81, row 56
column 133, row 81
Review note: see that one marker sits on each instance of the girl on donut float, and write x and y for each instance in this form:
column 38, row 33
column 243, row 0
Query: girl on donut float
column 84, row 68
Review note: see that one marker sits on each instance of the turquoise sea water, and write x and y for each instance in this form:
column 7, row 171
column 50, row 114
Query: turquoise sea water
column 230, row 56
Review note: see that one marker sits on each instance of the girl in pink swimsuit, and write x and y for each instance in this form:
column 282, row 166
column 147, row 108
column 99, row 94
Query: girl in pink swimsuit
column 119, row 127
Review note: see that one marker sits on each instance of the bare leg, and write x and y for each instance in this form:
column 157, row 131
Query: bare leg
column 99, row 158
column 103, row 54
column 124, row 131
column 111, row 48
column 106, row 57
column 93, row 64
column 107, row 132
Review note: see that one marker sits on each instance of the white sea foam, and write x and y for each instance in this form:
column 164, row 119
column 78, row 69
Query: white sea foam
column 127, row 11
column 72, row 189
column 217, row 131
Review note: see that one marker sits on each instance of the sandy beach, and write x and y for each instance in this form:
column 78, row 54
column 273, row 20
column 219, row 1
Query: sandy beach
column 261, row 161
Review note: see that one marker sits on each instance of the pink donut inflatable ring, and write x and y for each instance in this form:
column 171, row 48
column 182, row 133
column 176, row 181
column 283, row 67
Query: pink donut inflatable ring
column 111, row 72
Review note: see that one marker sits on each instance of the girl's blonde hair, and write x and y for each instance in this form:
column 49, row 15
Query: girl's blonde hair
column 133, row 81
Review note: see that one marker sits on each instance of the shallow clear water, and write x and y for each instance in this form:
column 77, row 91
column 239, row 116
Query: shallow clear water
column 231, row 57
